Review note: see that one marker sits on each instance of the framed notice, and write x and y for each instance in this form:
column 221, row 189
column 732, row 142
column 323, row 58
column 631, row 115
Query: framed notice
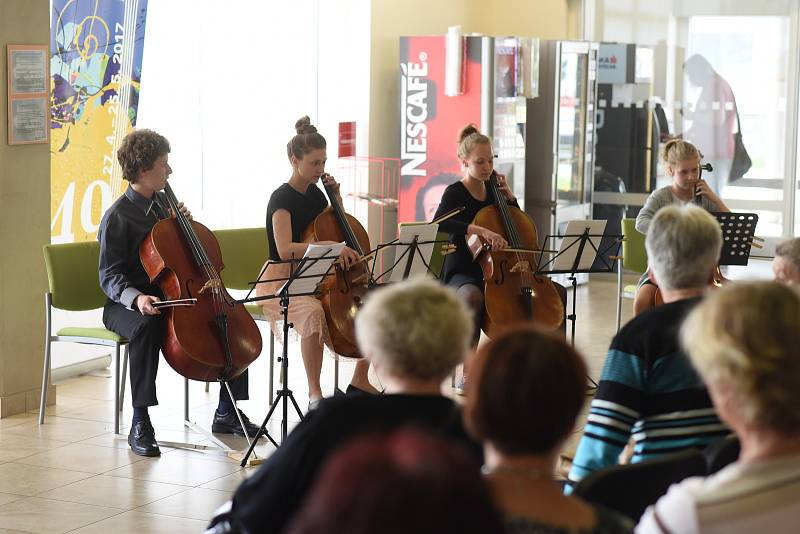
column 28, row 95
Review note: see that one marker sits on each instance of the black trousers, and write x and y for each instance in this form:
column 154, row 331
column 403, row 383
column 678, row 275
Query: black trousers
column 146, row 333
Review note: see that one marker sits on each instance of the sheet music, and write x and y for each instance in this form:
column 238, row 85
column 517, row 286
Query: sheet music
column 314, row 268
column 568, row 250
column 423, row 233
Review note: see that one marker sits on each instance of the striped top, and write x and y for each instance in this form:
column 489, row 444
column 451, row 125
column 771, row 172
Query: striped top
column 649, row 390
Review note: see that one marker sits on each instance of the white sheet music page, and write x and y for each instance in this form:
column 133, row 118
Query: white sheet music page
column 319, row 259
column 569, row 246
column 426, row 234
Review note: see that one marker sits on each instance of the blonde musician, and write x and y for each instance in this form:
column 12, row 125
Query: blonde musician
column 682, row 160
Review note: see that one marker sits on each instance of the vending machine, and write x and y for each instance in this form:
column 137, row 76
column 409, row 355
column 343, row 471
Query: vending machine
column 447, row 82
column 560, row 136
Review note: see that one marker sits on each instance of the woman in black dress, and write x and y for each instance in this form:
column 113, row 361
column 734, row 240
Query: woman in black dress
column 459, row 271
column 292, row 207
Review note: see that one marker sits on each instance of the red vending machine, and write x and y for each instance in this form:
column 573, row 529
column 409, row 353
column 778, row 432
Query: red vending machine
column 494, row 78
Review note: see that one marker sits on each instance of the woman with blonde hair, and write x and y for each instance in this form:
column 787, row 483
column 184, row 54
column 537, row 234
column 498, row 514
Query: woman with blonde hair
column 413, row 333
column 682, row 160
column 748, row 359
column 470, row 193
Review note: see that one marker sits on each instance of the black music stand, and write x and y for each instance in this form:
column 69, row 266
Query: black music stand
column 738, row 234
column 284, row 395
column 413, row 256
column 606, row 265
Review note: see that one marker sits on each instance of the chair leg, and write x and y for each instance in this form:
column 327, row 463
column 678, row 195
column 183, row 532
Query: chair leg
column 207, row 386
column 123, row 379
column 46, row 366
column 116, row 389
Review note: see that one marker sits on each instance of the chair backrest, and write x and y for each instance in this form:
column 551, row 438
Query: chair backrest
column 634, row 255
column 630, row 489
column 437, row 258
column 721, row 453
column 244, row 251
column 73, row 275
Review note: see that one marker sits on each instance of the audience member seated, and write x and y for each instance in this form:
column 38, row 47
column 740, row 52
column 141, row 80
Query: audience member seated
column 743, row 341
column 648, row 388
column 786, row 265
column 402, row 483
column 414, row 334
column 526, row 391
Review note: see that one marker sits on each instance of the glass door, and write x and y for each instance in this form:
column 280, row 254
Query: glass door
column 575, row 132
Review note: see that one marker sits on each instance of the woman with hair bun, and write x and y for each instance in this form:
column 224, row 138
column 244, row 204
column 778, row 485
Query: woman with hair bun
column 459, row 271
column 292, row 207
column 683, row 165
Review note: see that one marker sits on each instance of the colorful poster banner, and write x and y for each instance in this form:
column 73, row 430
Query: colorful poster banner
column 96, row 51
column 430, row 122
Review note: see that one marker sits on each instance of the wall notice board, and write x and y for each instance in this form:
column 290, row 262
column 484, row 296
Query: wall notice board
column 28, row 94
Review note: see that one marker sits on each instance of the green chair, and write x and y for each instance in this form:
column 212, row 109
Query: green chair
column 244, row 251
column 634, row 259
column 74, row 285
column 634, row 255
column 437, row 258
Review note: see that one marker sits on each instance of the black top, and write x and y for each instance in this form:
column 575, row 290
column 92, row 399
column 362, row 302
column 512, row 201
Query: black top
column 455, row 196
column 267, row 500
column 123, row 227
column 302, row 207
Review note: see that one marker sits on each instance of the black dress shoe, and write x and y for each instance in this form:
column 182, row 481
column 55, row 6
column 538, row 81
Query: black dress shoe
column 357, row 391
column 229, row 424
column 142, row 439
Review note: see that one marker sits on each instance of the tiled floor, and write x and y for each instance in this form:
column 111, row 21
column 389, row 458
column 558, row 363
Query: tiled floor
column 74, row 475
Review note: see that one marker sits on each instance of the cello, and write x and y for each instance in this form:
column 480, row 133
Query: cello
column 215, row 338
column 513, row 291
column 343, row 293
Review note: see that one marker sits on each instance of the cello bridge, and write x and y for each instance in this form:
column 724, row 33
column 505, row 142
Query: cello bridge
column 522, row 266
column 214, row 283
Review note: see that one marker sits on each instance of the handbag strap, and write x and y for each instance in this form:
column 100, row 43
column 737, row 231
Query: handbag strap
column 736, row 109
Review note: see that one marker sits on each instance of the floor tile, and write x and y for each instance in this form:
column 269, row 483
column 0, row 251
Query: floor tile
column 15, row 420
column 65, row 404
column 195, row 503
column 176, row 470
column 109, row 439
column 13, row 447
column 87, row 387
column 101, row 411
column 30, row 479
column 62, row 429
column 135, row 522
column 113, row 492
column 47, row 516
column 6, row 498
column 82, row 457
column 229, row 482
